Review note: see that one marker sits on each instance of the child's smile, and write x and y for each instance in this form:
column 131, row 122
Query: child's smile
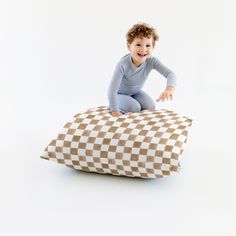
column 142, row 55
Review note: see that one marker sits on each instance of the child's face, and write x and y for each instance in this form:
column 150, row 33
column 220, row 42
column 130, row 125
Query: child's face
column 140, row 49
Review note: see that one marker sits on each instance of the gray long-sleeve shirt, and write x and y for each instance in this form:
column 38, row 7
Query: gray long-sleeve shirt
column 128, row 79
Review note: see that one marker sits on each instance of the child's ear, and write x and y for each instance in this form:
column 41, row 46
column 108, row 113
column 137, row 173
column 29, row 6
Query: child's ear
column 128, row 46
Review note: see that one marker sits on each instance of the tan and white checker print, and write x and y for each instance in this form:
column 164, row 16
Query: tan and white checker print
column 146, row 144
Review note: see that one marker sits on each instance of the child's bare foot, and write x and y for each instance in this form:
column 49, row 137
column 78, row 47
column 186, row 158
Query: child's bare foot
column 129, row 113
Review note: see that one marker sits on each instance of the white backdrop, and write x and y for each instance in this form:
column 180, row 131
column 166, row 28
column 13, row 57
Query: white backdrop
column 57, row 58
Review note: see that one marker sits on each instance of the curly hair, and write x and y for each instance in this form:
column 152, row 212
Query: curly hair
column 140, row 31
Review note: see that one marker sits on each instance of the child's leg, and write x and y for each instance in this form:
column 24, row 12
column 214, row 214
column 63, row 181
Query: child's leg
column 144, row 100
column 128, row 104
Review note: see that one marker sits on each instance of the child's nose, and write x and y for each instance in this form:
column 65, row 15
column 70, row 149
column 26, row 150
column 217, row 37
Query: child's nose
column 143, row 48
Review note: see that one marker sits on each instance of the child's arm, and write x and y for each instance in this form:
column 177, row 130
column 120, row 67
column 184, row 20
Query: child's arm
column 113, row 90
column 171, row 80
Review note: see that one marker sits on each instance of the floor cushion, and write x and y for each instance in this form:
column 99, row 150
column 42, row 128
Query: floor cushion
column 148, row 144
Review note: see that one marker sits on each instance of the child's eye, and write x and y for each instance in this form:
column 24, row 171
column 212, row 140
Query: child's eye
column 138, row 44
column 148, row 45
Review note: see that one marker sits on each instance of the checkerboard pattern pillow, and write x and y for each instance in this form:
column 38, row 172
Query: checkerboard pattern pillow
column 148, row 144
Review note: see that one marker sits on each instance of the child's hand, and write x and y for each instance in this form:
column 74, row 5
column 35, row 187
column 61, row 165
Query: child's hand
column 116, row 113
column 167, row 94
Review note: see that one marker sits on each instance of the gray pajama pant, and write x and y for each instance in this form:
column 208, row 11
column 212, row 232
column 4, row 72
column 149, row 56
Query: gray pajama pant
column 135, row 103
